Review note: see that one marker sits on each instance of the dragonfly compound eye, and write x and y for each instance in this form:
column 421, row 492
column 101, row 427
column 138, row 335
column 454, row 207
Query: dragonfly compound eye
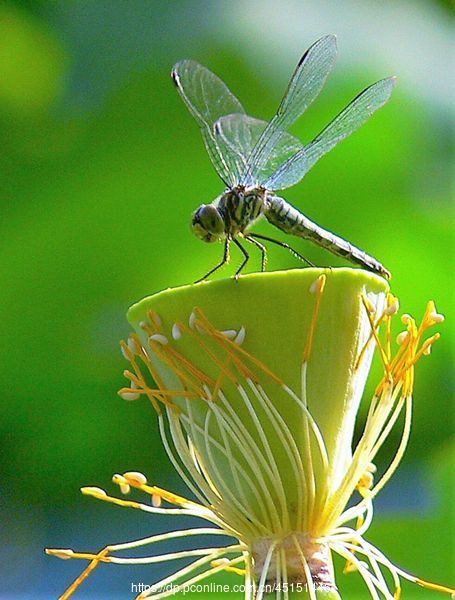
column 207, row 223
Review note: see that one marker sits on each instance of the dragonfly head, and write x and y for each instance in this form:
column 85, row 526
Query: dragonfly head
column 207, row 223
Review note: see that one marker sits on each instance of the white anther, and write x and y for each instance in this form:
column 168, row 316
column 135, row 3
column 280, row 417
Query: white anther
column 229, row 333
column 240, row 337
column 176, row 332
column 160, row 338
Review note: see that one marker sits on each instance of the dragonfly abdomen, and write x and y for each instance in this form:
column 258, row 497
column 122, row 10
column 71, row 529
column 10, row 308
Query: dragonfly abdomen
column 287, row 218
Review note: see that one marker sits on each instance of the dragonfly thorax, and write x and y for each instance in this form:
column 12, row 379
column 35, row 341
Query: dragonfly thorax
column 230, row 214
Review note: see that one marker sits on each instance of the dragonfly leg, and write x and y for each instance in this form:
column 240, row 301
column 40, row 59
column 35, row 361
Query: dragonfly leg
column 226, row 257
column 245, row 260
column 262, row 248
column 283, row 245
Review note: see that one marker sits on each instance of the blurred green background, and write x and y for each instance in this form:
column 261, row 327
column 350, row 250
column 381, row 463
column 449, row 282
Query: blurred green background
column 100, row 169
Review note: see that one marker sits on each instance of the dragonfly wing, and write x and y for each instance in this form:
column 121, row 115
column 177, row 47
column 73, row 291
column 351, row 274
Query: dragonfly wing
column 289, row 173
column 239, row 133
column 348, row 121
column 305, row 85
column 207, row 98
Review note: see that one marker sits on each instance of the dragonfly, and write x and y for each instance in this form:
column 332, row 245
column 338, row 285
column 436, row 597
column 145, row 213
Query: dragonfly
column 257, row 159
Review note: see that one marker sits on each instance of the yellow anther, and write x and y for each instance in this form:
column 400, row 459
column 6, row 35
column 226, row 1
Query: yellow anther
column 125, row 395
column 167, row 496
column 402, row 337
column 135, row 478
column 365, row 483
column 349, row 567
column 119, row 479
column 63, row 553
column 317, row 287
column 122, row 482
column 157, row 501
column 93, row 491
column 392, row 308
column 436, row 317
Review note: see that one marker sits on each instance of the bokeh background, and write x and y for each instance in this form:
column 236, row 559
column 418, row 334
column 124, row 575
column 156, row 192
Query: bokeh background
column 100, row 169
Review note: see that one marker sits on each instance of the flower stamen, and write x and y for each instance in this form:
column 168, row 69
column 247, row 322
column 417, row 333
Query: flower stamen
column 317, row 287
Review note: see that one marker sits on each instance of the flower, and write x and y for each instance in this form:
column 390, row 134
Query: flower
column 256, row 385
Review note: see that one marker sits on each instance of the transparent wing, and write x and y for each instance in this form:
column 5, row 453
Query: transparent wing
column 305, row 85
column 290, row 173
column 348, row 121
column 239, row 133
column 208, row 99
